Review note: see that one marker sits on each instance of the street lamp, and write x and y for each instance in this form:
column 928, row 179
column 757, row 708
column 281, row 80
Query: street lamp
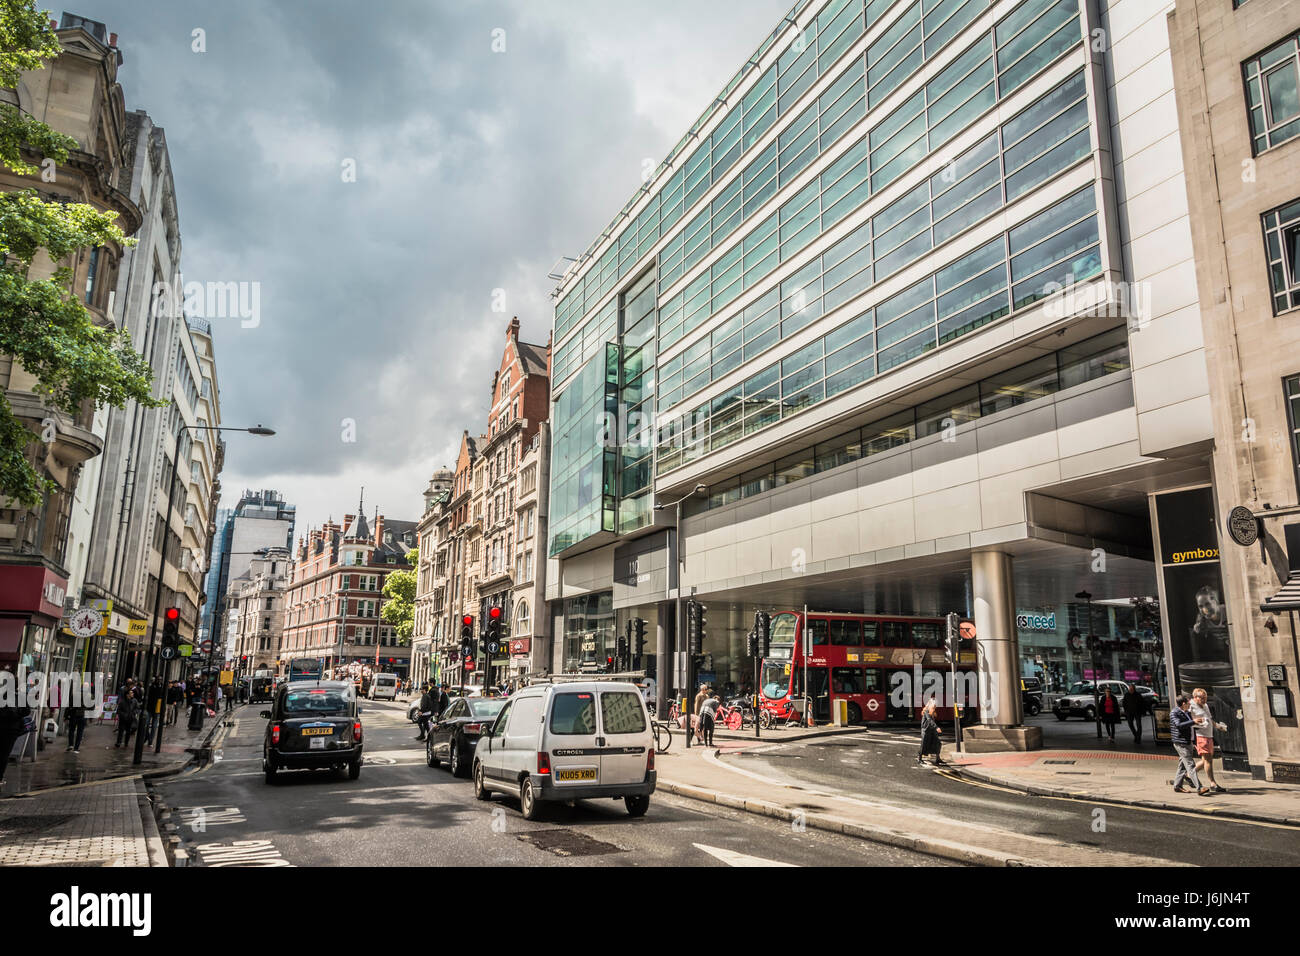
column 677, row 610
column 162, row 571
column 1091, row 643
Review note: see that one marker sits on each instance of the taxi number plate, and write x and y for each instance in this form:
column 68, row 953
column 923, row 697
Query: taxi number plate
column 575, row 775
column 317, row 731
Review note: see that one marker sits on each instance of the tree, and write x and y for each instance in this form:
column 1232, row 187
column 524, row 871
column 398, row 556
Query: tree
column 43, row 323
column 399, row 590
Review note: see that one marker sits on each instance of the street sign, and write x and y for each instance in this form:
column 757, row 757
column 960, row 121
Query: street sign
column 186, row 650
column 167, row 652
column 1243, row 526
column 206, row 647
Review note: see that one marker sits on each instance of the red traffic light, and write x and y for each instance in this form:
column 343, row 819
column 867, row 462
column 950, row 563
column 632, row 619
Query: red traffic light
column 173, row 613
column 494, row 613
column 467, row 620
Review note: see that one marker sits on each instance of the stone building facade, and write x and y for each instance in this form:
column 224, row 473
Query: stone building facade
column 1236, row 72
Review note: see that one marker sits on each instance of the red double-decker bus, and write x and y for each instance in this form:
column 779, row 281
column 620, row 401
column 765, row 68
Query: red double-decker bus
column 884, row 666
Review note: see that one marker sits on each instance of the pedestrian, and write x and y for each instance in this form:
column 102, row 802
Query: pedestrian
column 1110, row 711
column 930, row 743
column 15, row 721
column 427, row 704
column 1135, row 708
column 230, row 700
column 1204, row 732
column 74, row 716
column 128, row 710
column 153, row 707
column 700, row 698
column 707, row 711
column 175, row 694
column 1181, row 727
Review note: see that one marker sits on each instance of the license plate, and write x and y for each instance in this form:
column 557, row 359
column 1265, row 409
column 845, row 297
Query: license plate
column 317, row 743
column 575, row 775
column 317, row 731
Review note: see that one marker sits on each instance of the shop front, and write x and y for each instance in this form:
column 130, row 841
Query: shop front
column 31, row 609
column 1196, row 614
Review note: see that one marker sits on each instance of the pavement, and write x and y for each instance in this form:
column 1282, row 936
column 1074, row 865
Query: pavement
column 92, row 808
column 99, row 759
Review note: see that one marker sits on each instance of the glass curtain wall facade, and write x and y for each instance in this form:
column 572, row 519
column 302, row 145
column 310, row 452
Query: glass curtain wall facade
column 826, row 144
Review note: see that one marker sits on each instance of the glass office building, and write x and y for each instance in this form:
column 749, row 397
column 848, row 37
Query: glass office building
column 885, row 300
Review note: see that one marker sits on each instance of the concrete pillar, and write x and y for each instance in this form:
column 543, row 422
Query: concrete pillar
column 998, row 645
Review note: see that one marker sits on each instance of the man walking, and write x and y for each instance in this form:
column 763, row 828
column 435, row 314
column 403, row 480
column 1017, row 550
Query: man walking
column 1134, row 709
column 1181, row 729
column 174, row 697
column 427, row 706
column 153, row 704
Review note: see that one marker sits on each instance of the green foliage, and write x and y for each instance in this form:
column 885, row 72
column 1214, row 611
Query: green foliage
column 399, row 594
column 43, row 324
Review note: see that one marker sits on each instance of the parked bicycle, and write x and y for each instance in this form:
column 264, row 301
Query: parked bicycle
column 663, row 736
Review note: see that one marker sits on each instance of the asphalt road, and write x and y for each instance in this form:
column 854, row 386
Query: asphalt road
column 881, row 765
column 402, row 813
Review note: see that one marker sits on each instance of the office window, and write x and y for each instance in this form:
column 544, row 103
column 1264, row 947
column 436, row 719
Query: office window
column 1282, row 245
column 1273, row 94
column 1291, row 386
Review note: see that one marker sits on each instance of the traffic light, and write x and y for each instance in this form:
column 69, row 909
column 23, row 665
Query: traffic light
column 952, row 641
column 620, row 652
column 638, row 631
column 493, row 636
column 467, row 637
column 696, row 622
column 763, row 631
column 171, row 627
column 751, row 644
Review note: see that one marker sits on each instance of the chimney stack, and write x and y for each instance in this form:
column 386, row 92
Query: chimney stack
column 513, row 330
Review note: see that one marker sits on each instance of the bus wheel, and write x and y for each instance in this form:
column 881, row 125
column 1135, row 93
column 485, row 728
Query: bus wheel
column 855, row 714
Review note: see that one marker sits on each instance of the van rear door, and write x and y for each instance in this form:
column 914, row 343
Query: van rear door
column 571, row 732
column 625, row 736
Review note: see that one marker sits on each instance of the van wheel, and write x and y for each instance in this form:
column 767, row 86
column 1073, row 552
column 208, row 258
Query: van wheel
column 481, row 792
column 528, row 802
column 638, row 805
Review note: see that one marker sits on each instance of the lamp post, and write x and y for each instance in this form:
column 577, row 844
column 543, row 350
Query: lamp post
column 678, row 625
column 162, row 571
column 1091, row 642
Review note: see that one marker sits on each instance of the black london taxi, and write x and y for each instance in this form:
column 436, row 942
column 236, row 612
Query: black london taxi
column 313, row 725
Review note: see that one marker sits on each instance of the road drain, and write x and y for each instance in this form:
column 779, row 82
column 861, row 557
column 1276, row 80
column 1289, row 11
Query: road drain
column 1071, row 762
column 569, row 843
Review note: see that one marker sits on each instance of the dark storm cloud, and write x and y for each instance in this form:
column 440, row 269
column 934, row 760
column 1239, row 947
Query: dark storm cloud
column 475, row 171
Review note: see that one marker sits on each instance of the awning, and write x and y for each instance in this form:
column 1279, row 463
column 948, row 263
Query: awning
column 1287, row 599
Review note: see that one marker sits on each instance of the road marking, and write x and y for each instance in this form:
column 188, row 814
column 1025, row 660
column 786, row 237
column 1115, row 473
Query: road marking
column 241, row 853
column 732, row 858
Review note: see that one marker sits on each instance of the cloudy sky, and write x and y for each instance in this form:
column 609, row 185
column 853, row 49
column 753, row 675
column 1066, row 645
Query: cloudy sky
column 475, row 171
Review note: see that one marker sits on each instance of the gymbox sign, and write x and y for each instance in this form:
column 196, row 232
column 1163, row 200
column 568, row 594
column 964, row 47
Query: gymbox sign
column 75, row 909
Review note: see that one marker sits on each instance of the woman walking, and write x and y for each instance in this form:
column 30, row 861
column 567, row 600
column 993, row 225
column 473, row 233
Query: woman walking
column 1110, row 711
column 930, row 743
column 707, row 711
column 1205, row 726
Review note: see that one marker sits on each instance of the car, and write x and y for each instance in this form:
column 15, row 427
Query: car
column 455, row 734
column 1080, row 702
column 569, row 741
column 313, row 725
column 384, row 685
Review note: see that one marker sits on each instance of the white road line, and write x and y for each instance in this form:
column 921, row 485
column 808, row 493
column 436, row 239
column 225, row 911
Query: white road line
column 732, row 858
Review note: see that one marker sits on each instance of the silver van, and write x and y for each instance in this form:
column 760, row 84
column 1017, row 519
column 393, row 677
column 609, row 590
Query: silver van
column 569, row 741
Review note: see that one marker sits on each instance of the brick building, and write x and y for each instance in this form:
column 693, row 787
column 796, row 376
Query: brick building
column 334, row 599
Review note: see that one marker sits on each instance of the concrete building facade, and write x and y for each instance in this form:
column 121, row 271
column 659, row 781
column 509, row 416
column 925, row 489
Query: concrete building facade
column 256, row 606
column 914, row 302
